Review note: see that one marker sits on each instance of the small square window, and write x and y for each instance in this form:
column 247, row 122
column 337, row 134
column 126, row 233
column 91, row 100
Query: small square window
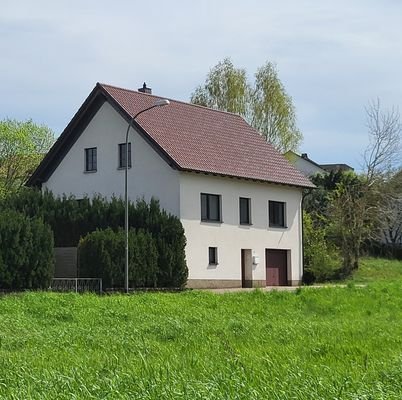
column 213, row 255
column 210, row 207
column 245, row 211
column 277, row 214
column 123, row 155
column 91, row 159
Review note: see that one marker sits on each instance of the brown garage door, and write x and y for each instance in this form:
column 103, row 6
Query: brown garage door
column 276, row 264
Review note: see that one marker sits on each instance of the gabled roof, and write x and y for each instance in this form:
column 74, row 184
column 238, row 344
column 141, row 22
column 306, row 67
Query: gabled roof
column 187, row 136
column 336, row 167
column 302, row 156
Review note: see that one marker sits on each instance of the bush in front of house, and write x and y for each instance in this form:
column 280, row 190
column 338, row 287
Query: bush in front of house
column 72, row 219
column 321, row 260
column 26, row 252
column 102, row 254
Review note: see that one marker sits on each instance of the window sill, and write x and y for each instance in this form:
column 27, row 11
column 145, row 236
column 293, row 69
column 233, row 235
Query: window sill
column 213, row 264
column 91, row 171
column 278, row 226
column 123, row 168
column 211, row 221
column 245, row 224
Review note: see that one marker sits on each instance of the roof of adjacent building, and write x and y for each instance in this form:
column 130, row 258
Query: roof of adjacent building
column 189, row 137
column 303, row 156
column 324, row 167
column 336, row 167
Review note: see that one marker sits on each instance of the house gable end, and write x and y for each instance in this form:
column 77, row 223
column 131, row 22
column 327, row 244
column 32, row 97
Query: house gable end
column 67, row 139
column 76, row 127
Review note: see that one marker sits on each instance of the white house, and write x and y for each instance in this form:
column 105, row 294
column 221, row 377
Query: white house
column 304, row 164
column 238, row 199
column 310, row 168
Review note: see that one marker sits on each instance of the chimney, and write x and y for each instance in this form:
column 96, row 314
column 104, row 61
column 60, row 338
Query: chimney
column 304, row 155
column 145, row 89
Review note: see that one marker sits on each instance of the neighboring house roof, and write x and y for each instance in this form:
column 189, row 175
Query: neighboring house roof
column 293, row 157
column 336, row 167
column 187, row 136
column 319, row 168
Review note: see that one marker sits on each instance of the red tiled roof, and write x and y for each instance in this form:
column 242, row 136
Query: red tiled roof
column 204, row 140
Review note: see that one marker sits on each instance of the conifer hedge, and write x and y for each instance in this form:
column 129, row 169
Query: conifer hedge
column 102, row 253
column 71, row 219
column 26, row 252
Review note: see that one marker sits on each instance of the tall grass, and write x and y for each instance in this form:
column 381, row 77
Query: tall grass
column 336, row 343
column 378, row 269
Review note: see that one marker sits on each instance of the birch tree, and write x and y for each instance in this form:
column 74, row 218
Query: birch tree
column 265, row 104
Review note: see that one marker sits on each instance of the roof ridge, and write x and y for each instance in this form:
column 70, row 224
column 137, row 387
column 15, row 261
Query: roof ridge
column 170, row 99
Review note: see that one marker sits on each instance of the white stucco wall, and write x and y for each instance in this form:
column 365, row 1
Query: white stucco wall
column 149, row 176
column 179, row 193
column 229, row 236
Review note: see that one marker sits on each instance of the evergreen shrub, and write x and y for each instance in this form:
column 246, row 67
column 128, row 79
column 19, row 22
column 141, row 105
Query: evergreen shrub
column 71, row 219
column 26, row 252
column 102, row 254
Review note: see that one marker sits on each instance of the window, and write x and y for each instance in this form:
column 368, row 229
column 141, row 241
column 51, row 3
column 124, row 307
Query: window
column 213, row 255
column 122, row 155
column 245, row 211
column 277, row 214
column 90, row 159
column 210, row 207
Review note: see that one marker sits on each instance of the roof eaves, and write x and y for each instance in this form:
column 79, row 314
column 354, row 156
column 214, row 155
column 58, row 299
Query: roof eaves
column 307, row 186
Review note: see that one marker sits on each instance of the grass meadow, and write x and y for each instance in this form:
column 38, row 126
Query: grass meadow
column 314, row 343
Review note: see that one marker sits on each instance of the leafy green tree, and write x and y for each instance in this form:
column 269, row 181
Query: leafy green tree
column 226, row 88
column 273, row 113
column 23, row 144
column 321, row 261
column 351, row 216
column 265, row 105
column 390, row 218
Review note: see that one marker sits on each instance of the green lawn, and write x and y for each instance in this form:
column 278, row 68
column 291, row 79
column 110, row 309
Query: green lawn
column 378, row 269
column 329, row 343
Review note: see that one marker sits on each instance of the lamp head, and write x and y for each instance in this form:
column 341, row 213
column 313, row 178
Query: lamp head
column 162, row 102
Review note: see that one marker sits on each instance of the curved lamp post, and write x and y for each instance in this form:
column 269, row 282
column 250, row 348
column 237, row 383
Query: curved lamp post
column 158, row 103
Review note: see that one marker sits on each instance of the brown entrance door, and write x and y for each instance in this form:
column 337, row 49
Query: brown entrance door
column 243, row 268
column 276, row 264
column 246, row 268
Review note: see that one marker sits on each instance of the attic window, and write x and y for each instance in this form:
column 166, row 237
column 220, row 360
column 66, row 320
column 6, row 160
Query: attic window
column 122, row 155
column 91, row 159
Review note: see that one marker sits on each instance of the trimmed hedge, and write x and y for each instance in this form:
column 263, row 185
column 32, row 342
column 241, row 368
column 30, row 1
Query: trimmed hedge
column 26, row 252
column 102, row 254
column 72, row 219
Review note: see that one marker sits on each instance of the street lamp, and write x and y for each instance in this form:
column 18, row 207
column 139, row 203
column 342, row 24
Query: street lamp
column 158, row 103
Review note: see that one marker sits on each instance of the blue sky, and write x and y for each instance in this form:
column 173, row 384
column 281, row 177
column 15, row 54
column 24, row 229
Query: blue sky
column 333, row 57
